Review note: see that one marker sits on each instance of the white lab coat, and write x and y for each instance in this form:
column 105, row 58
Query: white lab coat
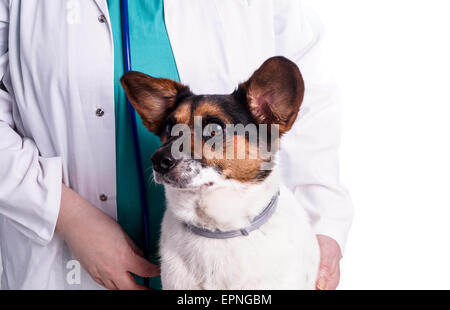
column 57, row 64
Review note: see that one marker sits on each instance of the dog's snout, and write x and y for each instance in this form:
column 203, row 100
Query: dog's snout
column 163, row 162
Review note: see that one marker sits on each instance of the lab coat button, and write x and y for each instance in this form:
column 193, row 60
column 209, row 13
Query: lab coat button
column 103, row 197
column 102, row 19
column 100, row 112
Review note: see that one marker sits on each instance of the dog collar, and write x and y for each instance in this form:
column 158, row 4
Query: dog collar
column 256, row 223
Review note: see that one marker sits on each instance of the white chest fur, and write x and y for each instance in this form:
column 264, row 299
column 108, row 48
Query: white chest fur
column 282, row 254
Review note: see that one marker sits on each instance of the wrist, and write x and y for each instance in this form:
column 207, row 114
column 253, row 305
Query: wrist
column 74, row 211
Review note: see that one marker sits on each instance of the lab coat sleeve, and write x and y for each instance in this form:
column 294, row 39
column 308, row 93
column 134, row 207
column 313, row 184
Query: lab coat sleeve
column 30, row 185
column 309, row 152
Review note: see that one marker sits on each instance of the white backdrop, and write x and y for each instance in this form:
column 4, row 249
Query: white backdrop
column 392, row 61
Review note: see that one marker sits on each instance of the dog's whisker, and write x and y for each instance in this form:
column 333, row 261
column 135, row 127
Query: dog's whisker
column 148, row 170
column 151, row 179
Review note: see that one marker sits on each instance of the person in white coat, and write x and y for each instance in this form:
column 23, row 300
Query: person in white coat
column 57, row 130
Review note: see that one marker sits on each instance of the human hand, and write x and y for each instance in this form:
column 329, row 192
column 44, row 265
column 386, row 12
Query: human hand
column 330, row 256
column 100, row 245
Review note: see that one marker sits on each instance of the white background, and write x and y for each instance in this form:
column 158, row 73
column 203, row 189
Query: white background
column 392, row 61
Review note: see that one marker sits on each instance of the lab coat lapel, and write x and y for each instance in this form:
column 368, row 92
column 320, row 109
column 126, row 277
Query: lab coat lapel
column 103, row 6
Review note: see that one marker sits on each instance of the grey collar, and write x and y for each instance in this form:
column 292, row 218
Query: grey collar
column 256, row 223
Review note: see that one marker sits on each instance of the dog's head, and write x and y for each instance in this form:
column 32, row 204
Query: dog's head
column 209, row 139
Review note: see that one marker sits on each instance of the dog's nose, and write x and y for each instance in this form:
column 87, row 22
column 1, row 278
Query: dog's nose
column 163, row 163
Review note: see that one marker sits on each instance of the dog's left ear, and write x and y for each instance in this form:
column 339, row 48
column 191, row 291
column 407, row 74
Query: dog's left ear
column 275, row 92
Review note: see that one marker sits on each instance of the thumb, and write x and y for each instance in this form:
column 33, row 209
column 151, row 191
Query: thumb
column 322, row 279
column 143, row 268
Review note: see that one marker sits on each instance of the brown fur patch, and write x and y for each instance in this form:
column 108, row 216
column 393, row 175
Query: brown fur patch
column 208, row 109
column 244, row 163
column 152, row 98
column 183, row 113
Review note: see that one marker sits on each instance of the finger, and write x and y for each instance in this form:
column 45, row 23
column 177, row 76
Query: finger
column 321, row 284
column 142, row 267
column 100, row 282
column 133, row 246
column 127, row 282
column 328, row 278
column 327, row 282
column 333, row 280
column 322, row 278
column 110, row 285
column 139, row 251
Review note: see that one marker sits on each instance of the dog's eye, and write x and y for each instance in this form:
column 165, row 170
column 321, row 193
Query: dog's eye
column 212, row 130
column 169, row 126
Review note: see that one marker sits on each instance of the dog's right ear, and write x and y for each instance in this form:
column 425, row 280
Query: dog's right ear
column 152, row 98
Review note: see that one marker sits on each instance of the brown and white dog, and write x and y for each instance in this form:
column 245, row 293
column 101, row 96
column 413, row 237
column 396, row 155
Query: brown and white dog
column 229, row 224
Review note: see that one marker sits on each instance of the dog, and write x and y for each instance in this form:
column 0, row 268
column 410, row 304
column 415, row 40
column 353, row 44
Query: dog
column 229, row 224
